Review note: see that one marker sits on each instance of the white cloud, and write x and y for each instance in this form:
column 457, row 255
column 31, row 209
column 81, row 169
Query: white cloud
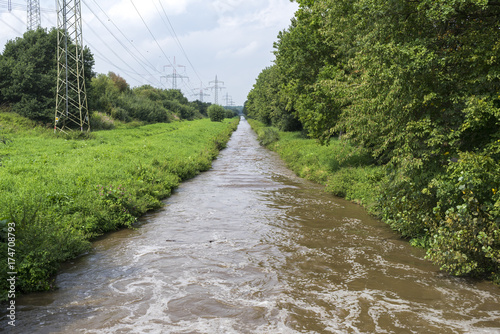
column 238, row 52
column 127, row 10
column 230, row 38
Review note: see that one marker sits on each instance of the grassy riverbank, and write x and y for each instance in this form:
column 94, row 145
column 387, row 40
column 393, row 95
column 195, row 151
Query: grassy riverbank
column 345, row 170
column 464, row 242
column 59, row 194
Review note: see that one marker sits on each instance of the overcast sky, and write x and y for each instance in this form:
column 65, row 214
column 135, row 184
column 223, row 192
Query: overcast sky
column 232, row 39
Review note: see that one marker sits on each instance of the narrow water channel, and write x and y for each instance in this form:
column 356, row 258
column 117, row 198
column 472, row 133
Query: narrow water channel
column 248, row 247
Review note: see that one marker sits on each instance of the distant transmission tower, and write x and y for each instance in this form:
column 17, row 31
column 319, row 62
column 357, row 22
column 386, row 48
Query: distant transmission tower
column 9, row 5
column 229, row 100
column 174, row 74
column 201, row 94
column 34, row 20
column 71, row 98
column 216, row 87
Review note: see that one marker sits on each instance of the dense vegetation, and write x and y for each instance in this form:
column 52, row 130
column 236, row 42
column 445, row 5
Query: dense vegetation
column 59, row 192
column 62, row 193
column 417, row 85
column 344, row 169
column 28, row 73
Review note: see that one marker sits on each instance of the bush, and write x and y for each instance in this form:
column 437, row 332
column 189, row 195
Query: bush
column 216, row 113
column 120, row 114
column 268, row 136
column 465, row 228
column 99, row 121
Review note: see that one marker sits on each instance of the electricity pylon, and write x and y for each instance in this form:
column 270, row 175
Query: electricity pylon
column 201, row 94
column 174, row 74
column 216, row 87
column 71, row 98
column 33, row 8
column 229, row 100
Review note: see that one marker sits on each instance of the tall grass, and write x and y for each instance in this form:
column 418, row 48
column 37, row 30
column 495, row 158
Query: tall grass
column 345, row 170
column 62, row 193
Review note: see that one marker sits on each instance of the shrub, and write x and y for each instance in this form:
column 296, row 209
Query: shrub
column 120, row 114
column 216, row 113
column 268, row 136
column 465, row 228
column 99, row 121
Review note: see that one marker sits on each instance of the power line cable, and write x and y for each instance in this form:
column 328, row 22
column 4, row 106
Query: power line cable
column 131, row 72
column 126, row 38
column 11, row 27
column 171, row 30
column 96, row 50
column 150, row 32
column 118, row 40
column 176, row 38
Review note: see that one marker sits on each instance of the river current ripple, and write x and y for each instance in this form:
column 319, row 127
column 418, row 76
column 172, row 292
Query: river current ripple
column 248, row 247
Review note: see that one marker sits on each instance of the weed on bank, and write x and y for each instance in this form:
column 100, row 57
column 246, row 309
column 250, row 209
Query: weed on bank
column 60, row 193
column 345, row 170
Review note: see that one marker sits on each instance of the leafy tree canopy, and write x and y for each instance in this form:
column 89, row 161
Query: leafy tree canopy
column 28, row 74
column 417, row 83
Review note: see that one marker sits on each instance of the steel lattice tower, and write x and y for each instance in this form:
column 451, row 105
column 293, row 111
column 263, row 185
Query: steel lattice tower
column 174, row 74
column 33, row 9
column 201, row 94
column 216, row 87
column 71, row 99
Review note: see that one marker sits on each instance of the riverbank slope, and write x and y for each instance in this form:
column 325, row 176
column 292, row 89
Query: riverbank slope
column 58, row 194
column 464, row 241
column 344, row 170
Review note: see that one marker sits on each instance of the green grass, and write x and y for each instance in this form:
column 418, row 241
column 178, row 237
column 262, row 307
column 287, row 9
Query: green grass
column 345, row 170
column 61, row 193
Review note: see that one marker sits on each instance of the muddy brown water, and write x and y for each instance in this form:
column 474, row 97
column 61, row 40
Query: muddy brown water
column 248, row 247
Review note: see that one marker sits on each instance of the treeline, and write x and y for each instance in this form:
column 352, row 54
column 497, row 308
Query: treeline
column 28, row 75
column 416, row 84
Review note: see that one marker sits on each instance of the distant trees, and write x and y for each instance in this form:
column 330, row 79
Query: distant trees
column 417, row 83
column 111, row 94
column 28, row 74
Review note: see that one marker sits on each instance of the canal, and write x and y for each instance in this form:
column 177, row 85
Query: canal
column 248, row 247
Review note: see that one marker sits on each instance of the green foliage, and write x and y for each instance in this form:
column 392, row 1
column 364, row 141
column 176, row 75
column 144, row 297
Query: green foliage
column 111, row 95
column 216, row 113
column 201, row 107
column 466, row 222
column 416, row 84
column 61, row 193
column 103, row 93
column 264, row 105
column 267, row 135
column 100, row 121
column 345, row 170
column 28, row 73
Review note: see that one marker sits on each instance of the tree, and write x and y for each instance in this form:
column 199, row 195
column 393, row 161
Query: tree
column 417, row 83
column 28, row 71
column 202, row 107
column 103, row 93
column 119, row 82
column 264, row 102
